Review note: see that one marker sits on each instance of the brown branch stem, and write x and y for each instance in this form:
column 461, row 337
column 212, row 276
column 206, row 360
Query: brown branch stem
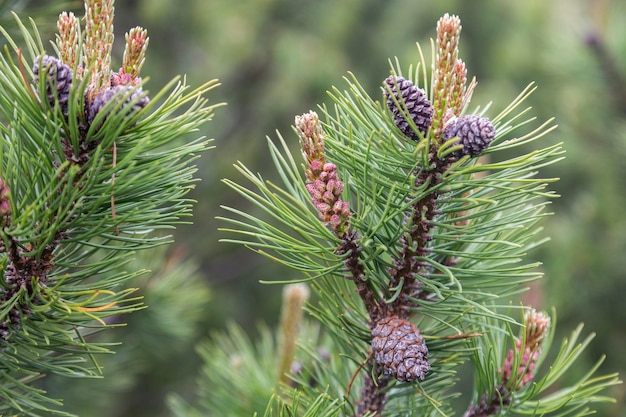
column 373, row 395
column 490, row 403
column 407, row 268
column 350, row 247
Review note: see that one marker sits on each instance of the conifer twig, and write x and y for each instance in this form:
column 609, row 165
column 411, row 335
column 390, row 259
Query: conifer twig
column 62, row 196
column 416, row 229
column 356, row 372
column 373, row 393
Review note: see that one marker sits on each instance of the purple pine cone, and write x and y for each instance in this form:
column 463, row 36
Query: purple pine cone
column 417, row 104
column 136, row 101
column 58, row 80
column 475, row 133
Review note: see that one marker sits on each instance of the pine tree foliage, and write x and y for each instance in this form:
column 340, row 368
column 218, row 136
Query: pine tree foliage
column 432, row 227
column 154, row 341
column 92, row 171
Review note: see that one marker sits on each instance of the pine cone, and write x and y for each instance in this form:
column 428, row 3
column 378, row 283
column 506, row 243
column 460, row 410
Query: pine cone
column 138, row 99
column 58, row 79
column 399, row 349
column 416, row 102
column 5, row 204
column 475, row 133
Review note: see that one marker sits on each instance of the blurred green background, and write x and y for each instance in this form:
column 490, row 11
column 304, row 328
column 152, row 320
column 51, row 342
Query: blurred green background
column 276, row 59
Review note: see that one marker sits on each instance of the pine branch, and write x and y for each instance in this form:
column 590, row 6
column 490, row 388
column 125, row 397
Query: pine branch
column 89, row 173
column 519, row 386
column 427, row 214
column 154, row 340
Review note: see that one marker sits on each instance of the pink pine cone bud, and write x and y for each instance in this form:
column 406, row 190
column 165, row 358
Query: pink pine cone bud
column 527, row 349
column 319, row 185
column 335, row 187
column 330, row 167
column 345, row 209
column 311, row 137
column 5, row 204
column 314, row 192
column 527, row 362
column 335, row 221
column 134, row 52
column 328, row 197
column 322, row 180
column 123, row 78
column 316, row 167
column 537, row 324
column 323, row 208
column 308, row 125
column 338, row 207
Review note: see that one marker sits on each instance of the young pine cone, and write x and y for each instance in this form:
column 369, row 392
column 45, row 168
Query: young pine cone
column 58, row 79
column 399, row 349
column 475, row 133
column 419, row 108
column 138, row 99
column 5, row 204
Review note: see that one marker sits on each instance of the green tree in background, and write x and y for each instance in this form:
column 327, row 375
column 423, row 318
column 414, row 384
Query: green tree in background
column 40, row 13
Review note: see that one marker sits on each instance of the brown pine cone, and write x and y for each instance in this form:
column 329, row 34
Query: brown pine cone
column 399, row 349
column 417, row 104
